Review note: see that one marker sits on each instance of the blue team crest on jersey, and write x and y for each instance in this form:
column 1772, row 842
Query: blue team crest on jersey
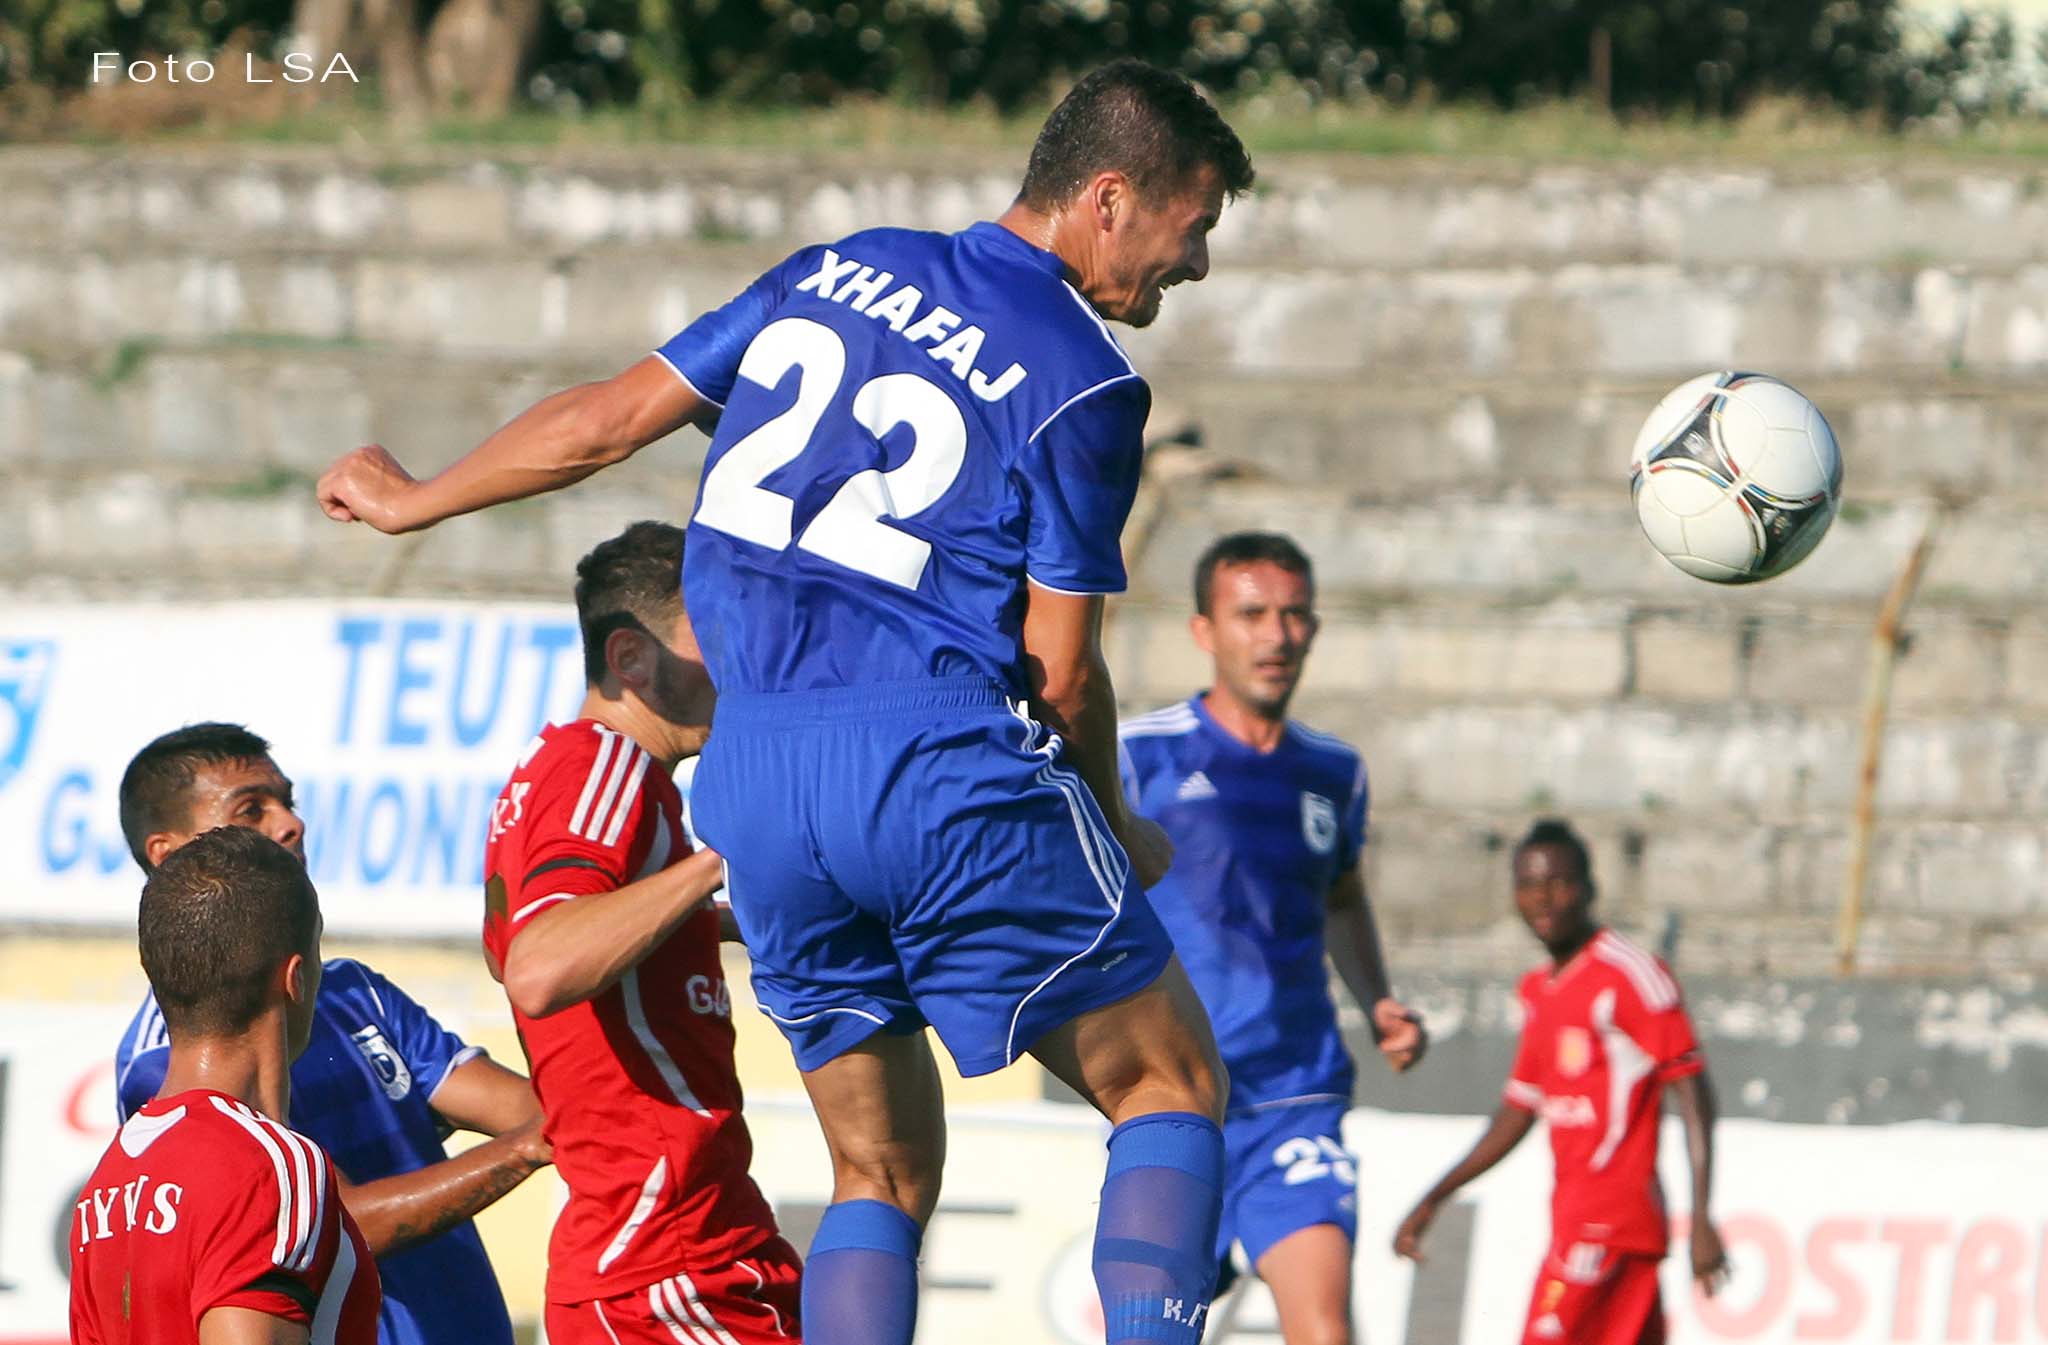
column 24, row 679
column 389, row 1066
column 1318, row 823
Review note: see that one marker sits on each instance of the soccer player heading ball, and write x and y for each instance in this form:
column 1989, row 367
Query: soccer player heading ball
column 926, row 446
column 1603, row 1034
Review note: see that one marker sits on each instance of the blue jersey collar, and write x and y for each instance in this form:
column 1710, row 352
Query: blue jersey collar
column 996, row 236
column 1199, row 702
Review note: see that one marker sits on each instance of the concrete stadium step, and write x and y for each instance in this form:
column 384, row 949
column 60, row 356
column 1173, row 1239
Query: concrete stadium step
column 1992, row 551
column 1634, row 320
column 1699, row 658
column 1332, row 209
column 285, row 402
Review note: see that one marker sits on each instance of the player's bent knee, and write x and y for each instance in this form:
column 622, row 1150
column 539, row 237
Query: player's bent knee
column 1188, row 1080
column 1192, row 1068
column 901, row 1175
column 1151, row 1052
column 1323, row 1329
column 1206, row 1088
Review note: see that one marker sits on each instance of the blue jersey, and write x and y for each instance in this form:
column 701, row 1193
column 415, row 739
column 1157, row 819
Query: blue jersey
column 913, row 423
column 1259, row 838
column 362, row 1091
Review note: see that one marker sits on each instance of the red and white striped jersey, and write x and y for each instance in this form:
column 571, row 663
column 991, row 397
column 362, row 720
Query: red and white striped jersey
column 1601, row 1036
column 203, row 1202
column 641, row 1099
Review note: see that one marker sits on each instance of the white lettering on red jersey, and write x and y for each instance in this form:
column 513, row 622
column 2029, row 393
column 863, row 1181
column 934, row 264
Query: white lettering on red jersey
column 1601, row 1036
column 203, row 1202
column 641, row 1097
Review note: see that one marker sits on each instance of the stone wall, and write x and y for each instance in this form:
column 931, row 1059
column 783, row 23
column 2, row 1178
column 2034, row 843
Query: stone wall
column 1428, row 373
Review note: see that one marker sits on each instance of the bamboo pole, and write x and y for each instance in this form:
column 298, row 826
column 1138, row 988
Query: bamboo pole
column 1885, row 639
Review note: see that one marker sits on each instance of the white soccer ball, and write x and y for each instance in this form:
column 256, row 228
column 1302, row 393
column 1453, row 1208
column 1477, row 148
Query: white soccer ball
column 1736, row 477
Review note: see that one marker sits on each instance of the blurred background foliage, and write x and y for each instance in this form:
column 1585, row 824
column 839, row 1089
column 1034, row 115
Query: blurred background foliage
column 1701, row 58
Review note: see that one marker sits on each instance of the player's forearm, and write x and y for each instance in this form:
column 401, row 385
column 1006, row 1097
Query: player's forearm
column 1078, row 702
column 1695, row 1096
column 1510, row 1125
column 1071, row 691
column 402, row 1211
column 555, row 443
column 1357, row 953
column 576, row 949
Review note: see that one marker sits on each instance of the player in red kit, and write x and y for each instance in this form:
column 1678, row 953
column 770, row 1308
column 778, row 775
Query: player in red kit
column 208, row 1221
column 599, row 925
column 1604, row 1034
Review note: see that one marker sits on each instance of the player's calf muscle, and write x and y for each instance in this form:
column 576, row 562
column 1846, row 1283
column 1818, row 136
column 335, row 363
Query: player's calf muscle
column 882, row 1112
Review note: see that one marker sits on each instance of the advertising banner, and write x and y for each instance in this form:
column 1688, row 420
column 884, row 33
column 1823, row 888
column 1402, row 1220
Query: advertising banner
column 398, row 722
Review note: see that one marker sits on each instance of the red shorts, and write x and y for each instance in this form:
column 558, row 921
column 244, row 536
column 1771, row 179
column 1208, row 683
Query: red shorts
column 1594, row 1295
column 751, row 1301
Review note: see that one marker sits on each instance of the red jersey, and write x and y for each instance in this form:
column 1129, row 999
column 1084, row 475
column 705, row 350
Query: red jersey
column 1600, row 1038
column 641, row 1098
column 203, row 1202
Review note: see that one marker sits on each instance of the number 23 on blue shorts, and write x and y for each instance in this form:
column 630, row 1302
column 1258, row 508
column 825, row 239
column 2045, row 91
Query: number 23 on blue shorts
column 1286, row 1169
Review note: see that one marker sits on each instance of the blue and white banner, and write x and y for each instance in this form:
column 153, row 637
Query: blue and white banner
column 397, row 722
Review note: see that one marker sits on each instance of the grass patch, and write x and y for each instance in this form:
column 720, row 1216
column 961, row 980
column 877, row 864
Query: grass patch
column 288, row 341
column 126, row 362
column 265, row 483
column 1774, row 131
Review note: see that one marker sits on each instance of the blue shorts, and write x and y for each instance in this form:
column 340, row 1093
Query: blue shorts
column 1285, row 1169
column 916, row 853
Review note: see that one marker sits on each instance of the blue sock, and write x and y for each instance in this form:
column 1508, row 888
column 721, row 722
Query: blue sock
column 860, row 1280
column 1155, row 1240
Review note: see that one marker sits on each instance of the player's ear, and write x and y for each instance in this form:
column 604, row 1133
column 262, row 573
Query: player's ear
column 158, row 844
column 1204, row 631
column 296, row 988
column 1108, row 195
column 628, row 655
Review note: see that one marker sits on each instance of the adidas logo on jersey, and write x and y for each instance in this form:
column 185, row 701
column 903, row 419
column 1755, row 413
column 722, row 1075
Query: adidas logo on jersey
column 1196, row 786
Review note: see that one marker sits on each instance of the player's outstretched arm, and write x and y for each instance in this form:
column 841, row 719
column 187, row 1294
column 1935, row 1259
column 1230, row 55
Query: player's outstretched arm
column 575, row 949
column 246, row 1326
column 1510, row 1125
column 1694, row 1096
column 1353, row 938
column 407, row 1209
column 1071, row 694
column 556, row 442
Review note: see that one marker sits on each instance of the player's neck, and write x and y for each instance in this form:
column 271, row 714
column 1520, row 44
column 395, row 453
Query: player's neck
column 1253, row 727
column 1042, row 231
column 254, row 1066
column 667, row 743
column 1562, row 954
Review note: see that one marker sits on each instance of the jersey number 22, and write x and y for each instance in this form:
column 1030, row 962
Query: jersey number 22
column 849, row 530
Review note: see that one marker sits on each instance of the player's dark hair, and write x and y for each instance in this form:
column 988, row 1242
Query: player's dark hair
column 1244, row 548
column 1151, row 125
column 1558, row 832
column 154, row 788
column 219, row 916
column 632, row 582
